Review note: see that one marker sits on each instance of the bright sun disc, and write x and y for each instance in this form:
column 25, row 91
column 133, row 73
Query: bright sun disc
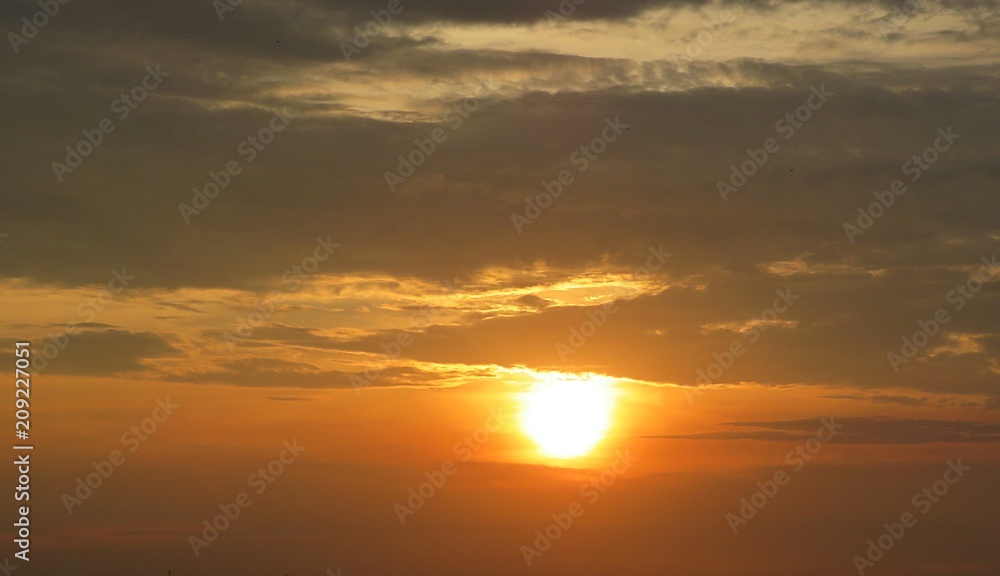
column 566, row 415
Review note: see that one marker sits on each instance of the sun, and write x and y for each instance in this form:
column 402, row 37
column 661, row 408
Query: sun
column 567, row 415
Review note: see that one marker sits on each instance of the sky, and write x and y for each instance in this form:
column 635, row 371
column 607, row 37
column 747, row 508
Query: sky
column 503, row 287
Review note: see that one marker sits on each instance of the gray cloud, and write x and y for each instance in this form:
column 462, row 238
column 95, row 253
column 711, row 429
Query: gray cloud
column 104, row 352
column 275, row 373
column 858, row 430
column 324, row 176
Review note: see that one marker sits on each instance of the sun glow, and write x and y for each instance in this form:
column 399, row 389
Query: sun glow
column 567, row 415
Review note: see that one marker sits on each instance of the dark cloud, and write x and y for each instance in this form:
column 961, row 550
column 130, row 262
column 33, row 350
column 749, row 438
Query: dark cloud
column 533, row 301
column 339, row 162
column 279, row 335
column 883, row 399
column 909, row 400
column 276, row 373
column 324, row 176
column 102, row 353
column 858, row 430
